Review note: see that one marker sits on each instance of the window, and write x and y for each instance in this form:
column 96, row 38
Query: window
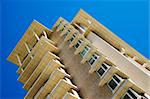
column 59, row 25
column 78, row 44
column 103, row 69
column 93, row 59
column 63, row 28
column 85, row 51
column 73, row 36
column 115, row 82
column 67, row 33
column 131, row 94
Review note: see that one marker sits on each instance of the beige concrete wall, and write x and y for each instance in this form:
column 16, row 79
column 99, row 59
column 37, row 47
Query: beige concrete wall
column 87, row 83
column 123, row 63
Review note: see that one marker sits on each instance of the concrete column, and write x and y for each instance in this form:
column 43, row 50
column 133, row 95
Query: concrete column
column 71, row 95
column 39, row 53
column 57, row 23
column 96, row 65
column 36, row 36
column 43, row 63
column 18, row 58
column 25, row 63
column 122, row 51
column 63, row 86
column 124, row 87
column 147, row 65
column 51, row 83
column 108, row 75
column 52, row 66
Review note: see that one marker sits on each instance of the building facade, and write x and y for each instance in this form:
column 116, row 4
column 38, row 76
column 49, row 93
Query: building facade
column 79, row 59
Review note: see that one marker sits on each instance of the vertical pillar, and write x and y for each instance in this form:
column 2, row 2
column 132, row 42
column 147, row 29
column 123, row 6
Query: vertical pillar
column 124, row 87
column 18, row 58
column 51, row 83
column 61, row 88
column 45, row 47
column 43, row 63
column 96, row 65
column 52, row 66
column 108, row 75
column 71, row 95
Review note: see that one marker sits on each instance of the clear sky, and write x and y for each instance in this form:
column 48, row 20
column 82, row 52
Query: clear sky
column 126, row 18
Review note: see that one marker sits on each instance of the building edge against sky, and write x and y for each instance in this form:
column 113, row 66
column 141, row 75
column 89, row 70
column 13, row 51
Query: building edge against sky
column 104, row 57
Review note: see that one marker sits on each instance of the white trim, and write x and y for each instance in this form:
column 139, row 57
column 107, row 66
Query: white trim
column 85, row 50
column 78, row 43
column 93, row 58
column 134, row 92
column 106, row 70
column 18, row 58
column 27, row 47
column 118, row 84
column 36, row 36
column 73, row 37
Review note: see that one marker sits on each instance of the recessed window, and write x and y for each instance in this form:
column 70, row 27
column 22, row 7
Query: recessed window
column 57, row 27
column 73, row 37
column 63, row 28
column 103, row 69
column 115, row 82
column 85, row 51
column 131, row 94
column 67, row 33
column 93, row 59
column 78, row 44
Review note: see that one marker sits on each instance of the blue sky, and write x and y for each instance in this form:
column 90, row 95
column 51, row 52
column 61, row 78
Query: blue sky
column 126, row 18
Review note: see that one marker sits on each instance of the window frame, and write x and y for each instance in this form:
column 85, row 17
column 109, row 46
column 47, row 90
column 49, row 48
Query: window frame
column 73, row 37
column 80, row 40
column 63, row 28
column 68, row 32
column 87, row 50
column 98, row 56
column 133, row 92
column 118, row 84
column 105, row 70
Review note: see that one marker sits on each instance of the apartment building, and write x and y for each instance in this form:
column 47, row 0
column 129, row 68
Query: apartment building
column 79, row 59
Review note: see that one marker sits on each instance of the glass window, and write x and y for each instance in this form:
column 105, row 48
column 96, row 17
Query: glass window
column 63, row 28
column 131, row 94
column 67, row 33
column 85, row 51
column 78, row 44
column 115, row 82
column 112, row 84
column 73, row 36
column 93, row 59
column 103, row 69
